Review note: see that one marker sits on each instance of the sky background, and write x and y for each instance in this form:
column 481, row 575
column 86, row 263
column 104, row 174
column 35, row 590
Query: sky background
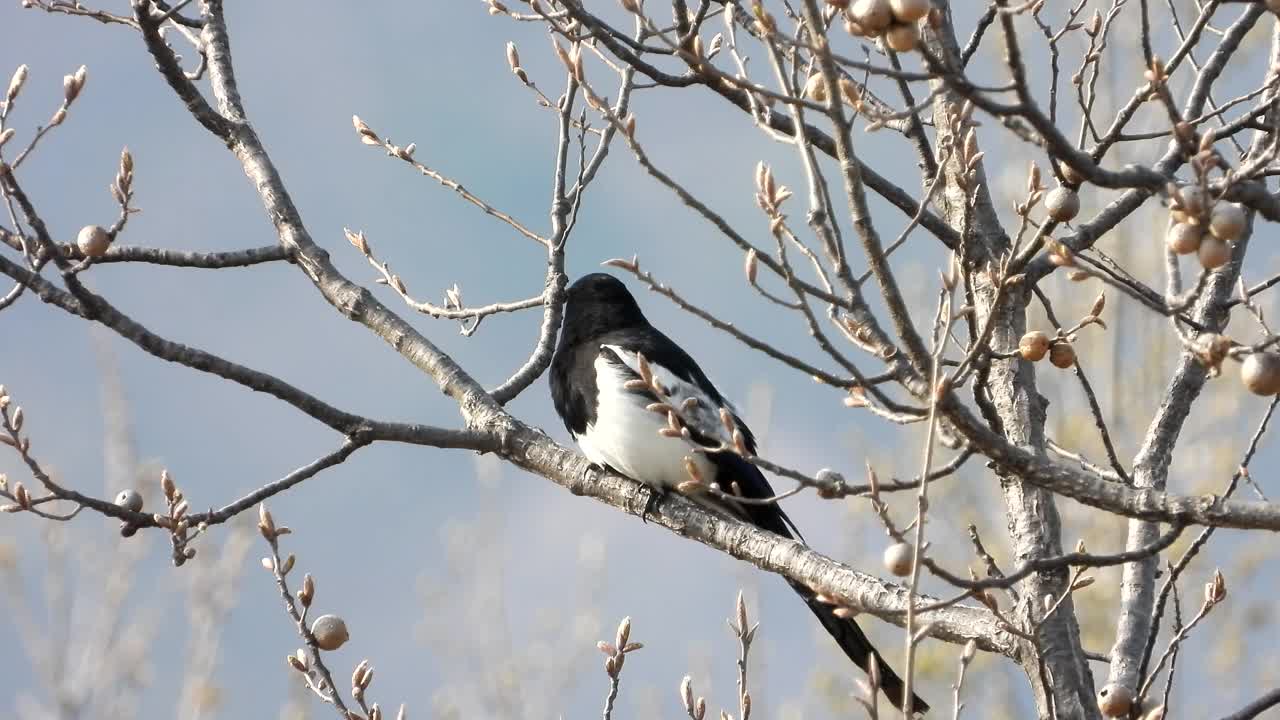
column 466, row 582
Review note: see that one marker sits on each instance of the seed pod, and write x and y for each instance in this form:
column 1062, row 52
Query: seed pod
column 1260, row 372
column 909, row 11
column 1033, row 346
column 902, row 38
column 899, row 558
column 330, row 632
column 1062, row 204
column 1115, row 701
column 874, row 16
column 130, row 500
column 815, row 88
column 93, row 240
column 1226, row 222
column 1194, row 200
column 1062, row 355
column 1184, row 238
column 1213, row 252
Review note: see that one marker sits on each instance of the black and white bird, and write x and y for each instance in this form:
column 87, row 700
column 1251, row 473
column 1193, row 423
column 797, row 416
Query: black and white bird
column 617, row 381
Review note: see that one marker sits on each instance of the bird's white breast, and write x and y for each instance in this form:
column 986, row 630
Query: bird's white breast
column 625, row 435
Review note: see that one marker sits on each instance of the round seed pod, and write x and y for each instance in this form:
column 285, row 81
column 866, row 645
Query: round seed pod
column 1194, row 200
column 1226, row 222
column 899, row 558
column 815, row 88
column 1183, row 238
column 874, row 16
column 909, row 11
column 330, row 631
column 1260, row 372
column 1034, row 346
column 1062, row 355
column 93, row 240
column 1115, row 701
column 1062, row 204
column 902, row 38
column 852, row 27
column 129, row 500
column 1213, row 252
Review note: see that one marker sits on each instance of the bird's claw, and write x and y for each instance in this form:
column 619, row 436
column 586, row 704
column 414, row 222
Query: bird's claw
column 656, row 496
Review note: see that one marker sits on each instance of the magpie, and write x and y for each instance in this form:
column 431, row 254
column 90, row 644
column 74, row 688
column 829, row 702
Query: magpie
column 637, row 404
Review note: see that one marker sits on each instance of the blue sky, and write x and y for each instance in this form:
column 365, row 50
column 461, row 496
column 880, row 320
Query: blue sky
column 382, row 532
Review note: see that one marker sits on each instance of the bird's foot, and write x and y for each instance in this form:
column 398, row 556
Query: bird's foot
column 656, row 496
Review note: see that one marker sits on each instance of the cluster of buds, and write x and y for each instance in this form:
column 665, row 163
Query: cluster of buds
column 695, row 709
column 770, row 196
column 175, row 520
column 895, row 21
column 390, row 279
column 513, row 62
column 815, row 89
column 1200, row 225
column 1211, row 349
column 765, row 25
column 1215, row 591
column 361, row 678
column 616, row 652
column 369, row 137
column 840, row 610
column 572, row 61
column 122, row 188
column 72, row 85
column 1035, row 191
column 16, row 491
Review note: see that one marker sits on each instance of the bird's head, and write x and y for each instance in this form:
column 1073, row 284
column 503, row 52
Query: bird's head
column 599, row 303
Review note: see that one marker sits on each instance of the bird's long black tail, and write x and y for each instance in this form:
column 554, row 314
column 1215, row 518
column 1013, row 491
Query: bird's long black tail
column 855, row 644
column 752, row 484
